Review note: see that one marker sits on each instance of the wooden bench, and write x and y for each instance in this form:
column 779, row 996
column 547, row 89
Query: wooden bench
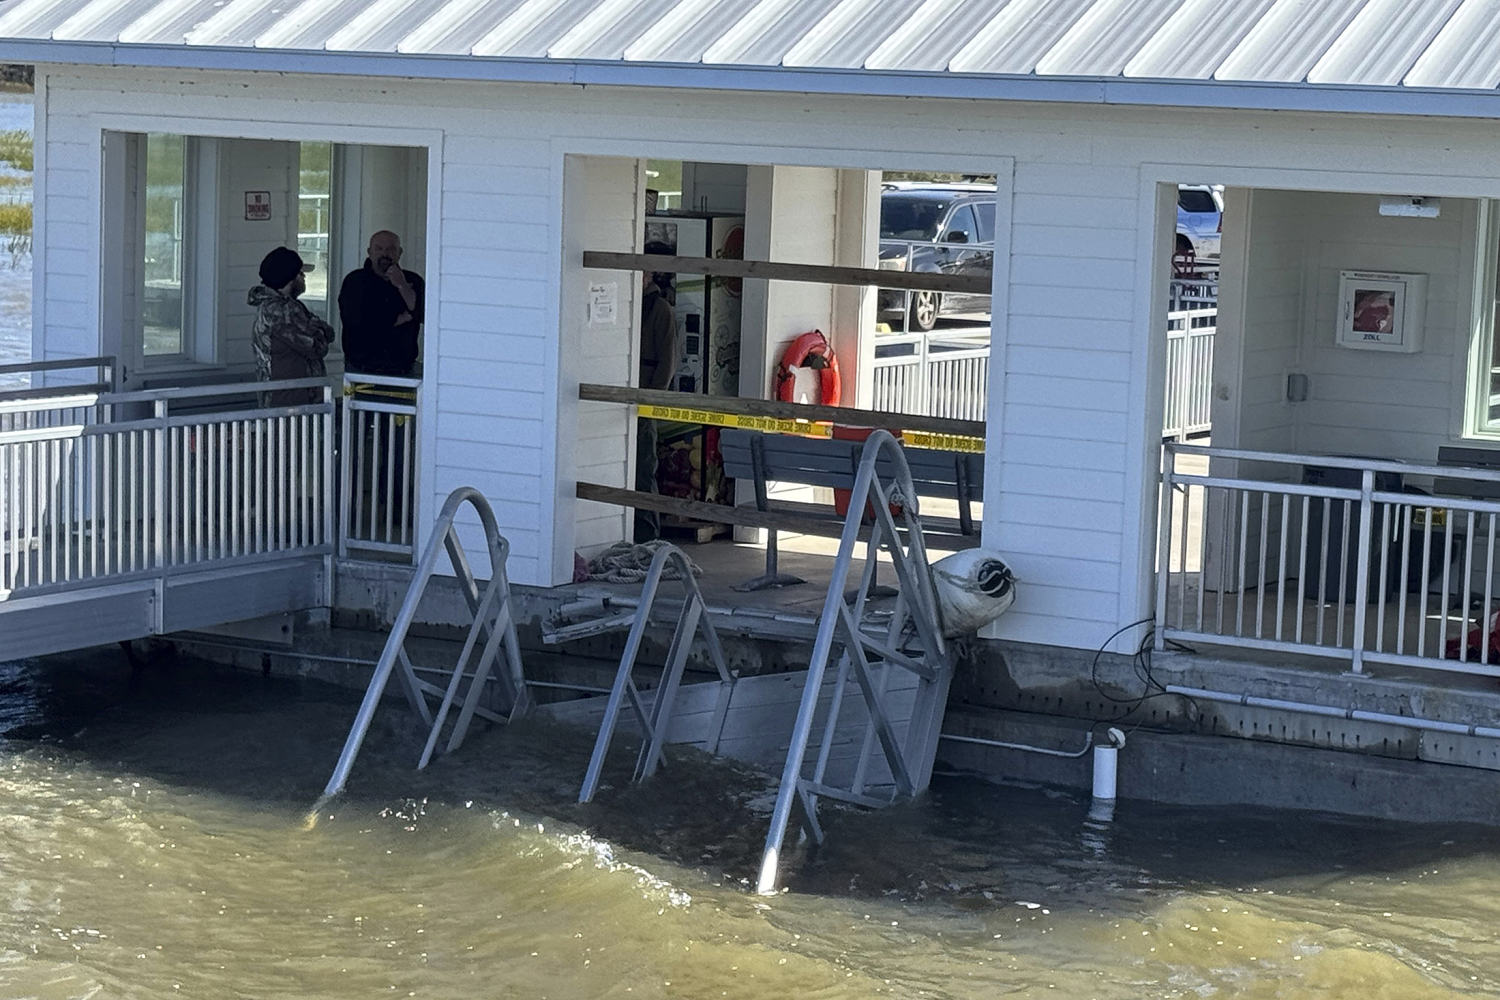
column 763, row 458
column 1473, row 458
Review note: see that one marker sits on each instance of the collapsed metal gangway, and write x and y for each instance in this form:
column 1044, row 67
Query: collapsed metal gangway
column 874, row 746
column 896, row 657
column 911, row 642
column 491, row 632
column 655, row 720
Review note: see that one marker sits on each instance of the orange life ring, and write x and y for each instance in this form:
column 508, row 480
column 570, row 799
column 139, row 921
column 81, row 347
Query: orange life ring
column 811, row 350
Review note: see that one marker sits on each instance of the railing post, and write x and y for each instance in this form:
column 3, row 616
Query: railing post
column 1164, row 545
column 345, row 484
column 330, row 489
column 1362, row 569
column 924, row 378
column 158, row 510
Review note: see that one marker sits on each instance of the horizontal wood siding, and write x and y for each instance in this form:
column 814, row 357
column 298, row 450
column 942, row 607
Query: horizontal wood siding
column 1069, row 371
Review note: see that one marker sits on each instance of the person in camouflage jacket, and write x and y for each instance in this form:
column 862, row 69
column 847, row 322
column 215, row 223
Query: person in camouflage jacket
column 289, row 341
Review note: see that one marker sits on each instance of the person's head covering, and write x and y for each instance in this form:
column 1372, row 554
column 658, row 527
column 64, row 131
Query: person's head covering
column 280, row 266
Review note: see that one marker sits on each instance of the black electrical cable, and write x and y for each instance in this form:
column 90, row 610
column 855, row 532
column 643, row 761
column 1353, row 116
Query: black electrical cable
column 1141, row 666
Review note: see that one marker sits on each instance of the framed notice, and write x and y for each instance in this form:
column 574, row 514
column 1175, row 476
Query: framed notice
column 258, row 206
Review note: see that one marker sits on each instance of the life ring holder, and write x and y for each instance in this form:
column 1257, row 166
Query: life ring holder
column 810, row 350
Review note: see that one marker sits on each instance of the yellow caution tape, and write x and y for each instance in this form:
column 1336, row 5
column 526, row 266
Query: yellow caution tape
column 781, row 425
column 942, row 442
column 713, row 418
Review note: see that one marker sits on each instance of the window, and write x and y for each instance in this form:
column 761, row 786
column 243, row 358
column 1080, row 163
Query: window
column 1484, row 373
column 986, row 212
column 961, row 226
column 314, row 216
column 166, row 252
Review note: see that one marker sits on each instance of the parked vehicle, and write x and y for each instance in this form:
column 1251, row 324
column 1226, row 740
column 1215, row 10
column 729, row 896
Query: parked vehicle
column 935, row 228
column 1200, row 218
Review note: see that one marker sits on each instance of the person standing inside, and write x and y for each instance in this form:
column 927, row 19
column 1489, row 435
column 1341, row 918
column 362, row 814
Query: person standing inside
column 381, row 306
column 288, row 340
column 660, row 352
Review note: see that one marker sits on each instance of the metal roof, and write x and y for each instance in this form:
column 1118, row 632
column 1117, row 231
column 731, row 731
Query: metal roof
column 1342, row 54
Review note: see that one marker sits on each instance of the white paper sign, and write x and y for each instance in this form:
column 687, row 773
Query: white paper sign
column 807, row 385
column 603, row 303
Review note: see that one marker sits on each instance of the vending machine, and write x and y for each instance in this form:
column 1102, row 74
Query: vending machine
column 708, row 311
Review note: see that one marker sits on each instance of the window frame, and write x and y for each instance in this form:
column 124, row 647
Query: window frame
column 1482, row 374
column 199, row 346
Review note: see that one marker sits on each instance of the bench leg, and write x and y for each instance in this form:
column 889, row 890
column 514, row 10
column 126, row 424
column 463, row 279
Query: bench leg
column 771, row 577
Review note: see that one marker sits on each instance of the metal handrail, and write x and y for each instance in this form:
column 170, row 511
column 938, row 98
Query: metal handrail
column 654, row 726
column 1283, row 552
column 106, row 365
column 380, row 409
column 839, row 622
column 495, row 596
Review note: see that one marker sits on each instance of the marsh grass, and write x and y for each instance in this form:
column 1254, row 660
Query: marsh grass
column 15, row 219
column 15, row 149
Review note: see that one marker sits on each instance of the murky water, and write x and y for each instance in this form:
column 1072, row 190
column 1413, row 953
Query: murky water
column 154, row 847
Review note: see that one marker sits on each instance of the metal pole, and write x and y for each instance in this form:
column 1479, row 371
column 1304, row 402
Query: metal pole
column 1362, row 569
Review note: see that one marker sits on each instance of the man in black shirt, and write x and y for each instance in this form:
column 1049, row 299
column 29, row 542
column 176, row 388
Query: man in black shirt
column 381, row 306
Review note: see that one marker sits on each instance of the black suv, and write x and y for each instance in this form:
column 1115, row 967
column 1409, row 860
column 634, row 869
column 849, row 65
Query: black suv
column 946, row 228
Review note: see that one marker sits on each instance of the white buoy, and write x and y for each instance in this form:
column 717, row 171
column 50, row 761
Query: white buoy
column 974, row 587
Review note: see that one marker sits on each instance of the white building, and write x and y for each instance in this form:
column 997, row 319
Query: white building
column 503, row 138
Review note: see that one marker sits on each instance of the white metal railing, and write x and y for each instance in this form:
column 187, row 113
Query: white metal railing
column 1339, row 557
column 377, row 465
column 1194, row 292
column 932, row 375
column 182, row 486
column 70, row 397
column 1190, row 370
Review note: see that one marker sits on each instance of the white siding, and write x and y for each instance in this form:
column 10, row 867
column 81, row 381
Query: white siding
column 1076, row 341
column 1359, row 402
column 605, row 206
column 250, row 165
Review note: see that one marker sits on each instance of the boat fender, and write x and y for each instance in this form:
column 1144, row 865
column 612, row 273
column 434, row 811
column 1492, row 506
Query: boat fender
column 974, row 587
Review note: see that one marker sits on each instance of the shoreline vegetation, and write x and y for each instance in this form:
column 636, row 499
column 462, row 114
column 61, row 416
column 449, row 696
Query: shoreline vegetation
column 16, row 150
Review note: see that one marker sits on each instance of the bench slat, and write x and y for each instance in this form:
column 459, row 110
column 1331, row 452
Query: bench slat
column 830, row 462
column 786, row 518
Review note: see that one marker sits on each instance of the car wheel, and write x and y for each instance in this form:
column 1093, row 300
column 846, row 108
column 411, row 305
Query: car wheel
column 924, row 310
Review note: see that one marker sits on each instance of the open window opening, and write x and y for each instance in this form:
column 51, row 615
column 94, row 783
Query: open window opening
column 1343, row 504
column 772, row 278
column 195, row 215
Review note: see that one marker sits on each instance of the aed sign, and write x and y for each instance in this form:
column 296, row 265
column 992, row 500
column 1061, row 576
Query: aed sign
column 257, row 206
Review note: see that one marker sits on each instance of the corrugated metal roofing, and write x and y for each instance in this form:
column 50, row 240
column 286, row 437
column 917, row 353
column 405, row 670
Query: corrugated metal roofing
column 1431, row 46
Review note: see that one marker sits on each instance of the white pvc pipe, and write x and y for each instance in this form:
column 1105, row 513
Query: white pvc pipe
column 1106, row 769
column 1409, row 721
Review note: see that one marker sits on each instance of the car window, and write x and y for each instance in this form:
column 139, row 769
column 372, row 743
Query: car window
column 1196, row 200
column 910, row 218
column 985, row 210
column 962, row 221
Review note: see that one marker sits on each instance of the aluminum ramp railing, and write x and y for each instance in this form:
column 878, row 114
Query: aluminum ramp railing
column 493, row 625
column 655, row 723
column 883, row 483
column 124, row 515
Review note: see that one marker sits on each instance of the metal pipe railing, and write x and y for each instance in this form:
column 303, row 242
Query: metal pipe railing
column 1329, row 711
column 93, row 501
column 1355, row 563
column 379, row 454
column 492, row 623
